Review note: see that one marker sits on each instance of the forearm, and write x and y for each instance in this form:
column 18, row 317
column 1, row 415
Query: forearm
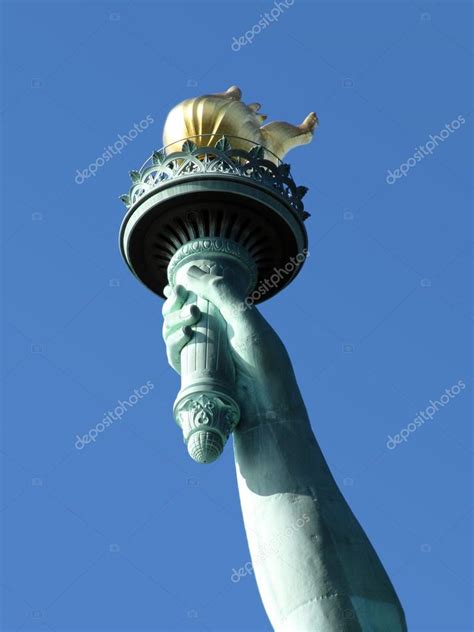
column 314, row 566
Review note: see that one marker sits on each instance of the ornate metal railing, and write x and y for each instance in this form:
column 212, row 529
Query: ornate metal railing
column 257, row 164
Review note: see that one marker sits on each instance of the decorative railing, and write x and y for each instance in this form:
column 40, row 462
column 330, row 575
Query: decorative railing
column 218, row 160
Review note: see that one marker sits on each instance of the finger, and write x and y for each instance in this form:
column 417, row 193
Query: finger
column 196, row 273
column 175, row 343
column 168, row 290
column 187, row 315
column 177, row 297
column 209, row 285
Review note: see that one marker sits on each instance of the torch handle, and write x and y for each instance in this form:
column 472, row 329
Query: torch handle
column 206, row 407
column 206, row 358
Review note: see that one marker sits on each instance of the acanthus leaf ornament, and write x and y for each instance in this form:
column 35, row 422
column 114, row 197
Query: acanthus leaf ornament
column 203, row 408
column 301, row 191
column 223, row 144
column 188, row 146
column 257, row 152
column 158, row 157
column 135, row 177
column 284, row 169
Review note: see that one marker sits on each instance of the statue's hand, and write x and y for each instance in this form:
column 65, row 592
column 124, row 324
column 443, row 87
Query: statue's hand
column 177, row 323
column 265, row 382
column 220, row 290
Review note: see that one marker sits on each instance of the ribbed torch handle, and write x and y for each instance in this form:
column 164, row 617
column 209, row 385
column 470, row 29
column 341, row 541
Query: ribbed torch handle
column 206, row 408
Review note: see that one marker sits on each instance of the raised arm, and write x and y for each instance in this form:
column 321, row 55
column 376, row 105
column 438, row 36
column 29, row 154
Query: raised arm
column 315, row 568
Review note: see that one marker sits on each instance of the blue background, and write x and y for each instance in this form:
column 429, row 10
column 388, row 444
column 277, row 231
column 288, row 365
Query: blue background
column 128, row 533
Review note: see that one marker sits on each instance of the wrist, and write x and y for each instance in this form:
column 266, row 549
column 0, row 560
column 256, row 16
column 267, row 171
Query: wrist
column 236, row 312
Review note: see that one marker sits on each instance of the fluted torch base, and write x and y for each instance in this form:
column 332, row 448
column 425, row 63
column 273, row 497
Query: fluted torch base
column 206, row 421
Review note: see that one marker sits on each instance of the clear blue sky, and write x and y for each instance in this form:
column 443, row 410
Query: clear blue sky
column 128, row 533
